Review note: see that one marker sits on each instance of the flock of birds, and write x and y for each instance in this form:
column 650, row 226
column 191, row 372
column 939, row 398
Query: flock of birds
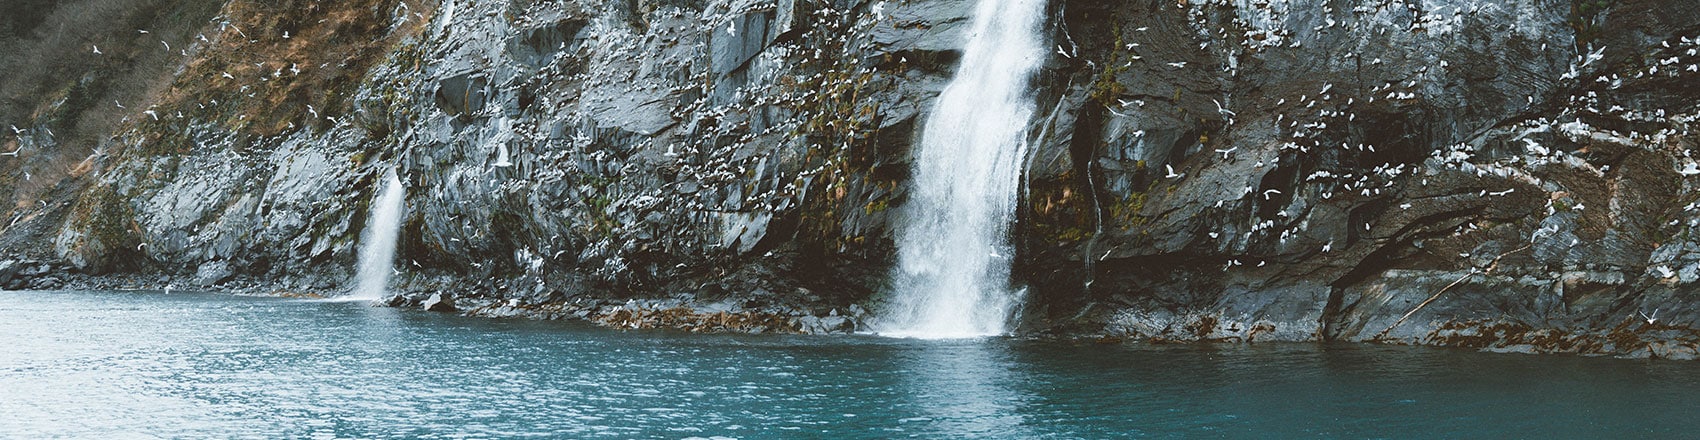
column 1308, row 123
column 1314, row 122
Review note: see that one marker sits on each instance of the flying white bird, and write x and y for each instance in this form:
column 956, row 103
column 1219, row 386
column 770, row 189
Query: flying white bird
column 1654, row 318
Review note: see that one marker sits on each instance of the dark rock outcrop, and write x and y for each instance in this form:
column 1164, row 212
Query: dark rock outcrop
column 1513, row 176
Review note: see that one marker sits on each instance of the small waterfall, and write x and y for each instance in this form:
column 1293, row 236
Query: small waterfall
column 377, row 243
column 954, row 255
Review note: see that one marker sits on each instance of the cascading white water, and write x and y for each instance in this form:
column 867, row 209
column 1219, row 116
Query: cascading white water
column 952, row 278
column 377, row 244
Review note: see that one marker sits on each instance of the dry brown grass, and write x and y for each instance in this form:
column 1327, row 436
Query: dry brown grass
column 51, row 80
column 332, row 44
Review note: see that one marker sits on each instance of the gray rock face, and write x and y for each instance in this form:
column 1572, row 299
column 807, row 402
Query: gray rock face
column 212, row 273
column 1510, row 175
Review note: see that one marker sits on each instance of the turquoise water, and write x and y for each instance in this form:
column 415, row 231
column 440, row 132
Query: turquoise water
column 152, row 365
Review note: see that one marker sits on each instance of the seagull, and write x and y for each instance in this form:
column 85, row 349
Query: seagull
column 167, row 45
column 1222, row 110
column 96, row 49
column 1171, row 170
column 1664, row 272
column 15, row 130
column 1226, row 152
column 1328, row 246
column 1650, row 319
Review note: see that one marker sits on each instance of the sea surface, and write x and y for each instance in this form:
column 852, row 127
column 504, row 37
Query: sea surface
column 105, row 365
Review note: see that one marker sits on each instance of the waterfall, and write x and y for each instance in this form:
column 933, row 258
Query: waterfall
column 377, row 244
column 952, row 276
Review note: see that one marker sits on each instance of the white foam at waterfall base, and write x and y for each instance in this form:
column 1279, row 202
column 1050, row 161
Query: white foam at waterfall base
column 378, row 242
column 952, row 278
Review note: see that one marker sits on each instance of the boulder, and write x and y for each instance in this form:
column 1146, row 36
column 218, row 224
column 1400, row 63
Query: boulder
column 212, row 273
column 8, row 270
column 439, row 302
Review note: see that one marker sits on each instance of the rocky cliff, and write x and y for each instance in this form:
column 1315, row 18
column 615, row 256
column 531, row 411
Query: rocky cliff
column 1509, row 175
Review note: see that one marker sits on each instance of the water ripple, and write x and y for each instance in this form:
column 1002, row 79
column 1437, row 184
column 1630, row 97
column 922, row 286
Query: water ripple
column 128, row 365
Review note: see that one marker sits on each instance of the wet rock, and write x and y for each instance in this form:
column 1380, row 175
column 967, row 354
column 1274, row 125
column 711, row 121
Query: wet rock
column 46, row 283
column 8, row 270
column 439, row 302
column 826, row 324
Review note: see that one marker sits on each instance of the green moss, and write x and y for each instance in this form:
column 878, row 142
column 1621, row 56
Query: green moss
column 1106, row 87
column 107, row 220
column 876, row 206
column 1125, row 212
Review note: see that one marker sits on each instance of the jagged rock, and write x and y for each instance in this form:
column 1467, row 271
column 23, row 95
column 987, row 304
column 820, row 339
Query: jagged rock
column 827, row 325
column 212, row 273
column 8, row 270
column 439, row 302
column 1198, row 172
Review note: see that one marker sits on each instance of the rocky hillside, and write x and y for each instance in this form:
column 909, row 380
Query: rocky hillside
column 1510, row 175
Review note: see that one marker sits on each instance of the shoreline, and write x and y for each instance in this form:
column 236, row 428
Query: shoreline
column 1625, row 339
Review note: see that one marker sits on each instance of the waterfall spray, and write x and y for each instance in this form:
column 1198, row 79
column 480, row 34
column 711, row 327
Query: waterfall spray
column 952, row 278
column 378, row 242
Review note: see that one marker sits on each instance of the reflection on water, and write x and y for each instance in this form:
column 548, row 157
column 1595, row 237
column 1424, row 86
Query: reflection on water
column 105, row 365
column 964, row 387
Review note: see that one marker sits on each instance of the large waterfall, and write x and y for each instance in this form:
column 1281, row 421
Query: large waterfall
column 952, row 278
column 377, row 244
